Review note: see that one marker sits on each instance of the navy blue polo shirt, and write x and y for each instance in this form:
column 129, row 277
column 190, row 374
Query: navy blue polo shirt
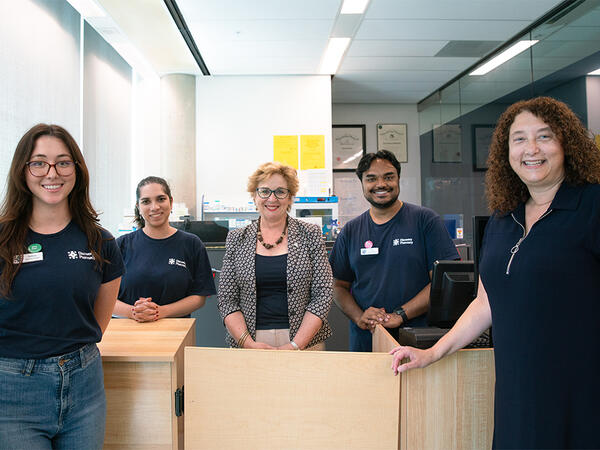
column 165, row 269
column 545, row 307
column 407, row 245
column 51, row 308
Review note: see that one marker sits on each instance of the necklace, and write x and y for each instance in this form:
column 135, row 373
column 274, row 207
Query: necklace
column 277, row 242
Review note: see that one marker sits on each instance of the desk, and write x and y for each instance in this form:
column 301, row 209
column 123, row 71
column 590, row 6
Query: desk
column 143, row 367
column 448, row 405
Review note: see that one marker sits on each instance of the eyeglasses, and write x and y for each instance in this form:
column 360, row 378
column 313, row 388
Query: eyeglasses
column 42, row 168
column 280, row 193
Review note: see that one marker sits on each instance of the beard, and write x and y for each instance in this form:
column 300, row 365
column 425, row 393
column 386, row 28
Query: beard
column 382, row 205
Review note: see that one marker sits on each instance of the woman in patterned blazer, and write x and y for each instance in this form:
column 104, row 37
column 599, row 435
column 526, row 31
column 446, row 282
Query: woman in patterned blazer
column 275, row 288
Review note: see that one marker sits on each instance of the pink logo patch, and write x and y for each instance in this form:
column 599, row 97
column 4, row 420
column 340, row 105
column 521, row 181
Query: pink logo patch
column 368, row 244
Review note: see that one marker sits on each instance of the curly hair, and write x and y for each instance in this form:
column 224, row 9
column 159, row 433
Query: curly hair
column 504, row 189
column 268, row 169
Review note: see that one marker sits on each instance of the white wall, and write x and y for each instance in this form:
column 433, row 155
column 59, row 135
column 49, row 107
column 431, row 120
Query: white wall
column 237, row 117
column 372, row 114
column 107, row 127
column 39, row 71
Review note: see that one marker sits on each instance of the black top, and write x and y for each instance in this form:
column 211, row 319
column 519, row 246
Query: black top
column 166, row 270
column 545, row 306
column 51, row 308
column 271, row 292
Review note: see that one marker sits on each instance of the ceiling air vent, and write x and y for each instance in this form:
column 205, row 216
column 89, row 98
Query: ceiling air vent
column 467, row 49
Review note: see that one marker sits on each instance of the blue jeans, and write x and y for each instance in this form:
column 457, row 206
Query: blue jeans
column 54, row 403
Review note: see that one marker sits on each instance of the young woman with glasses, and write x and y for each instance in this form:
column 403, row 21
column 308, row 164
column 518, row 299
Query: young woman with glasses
column 275, row 288
column 168, row 272
column 60, row 273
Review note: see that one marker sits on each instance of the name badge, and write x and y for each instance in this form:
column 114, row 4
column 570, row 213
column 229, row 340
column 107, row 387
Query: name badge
column 369, row 251
column 29, row 257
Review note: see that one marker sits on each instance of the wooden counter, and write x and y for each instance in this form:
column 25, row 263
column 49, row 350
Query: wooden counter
column 448, row 405
column 143, row 367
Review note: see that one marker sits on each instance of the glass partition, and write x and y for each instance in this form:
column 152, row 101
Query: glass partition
column 456, row 122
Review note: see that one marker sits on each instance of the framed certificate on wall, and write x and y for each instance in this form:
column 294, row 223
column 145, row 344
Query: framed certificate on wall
column 392, row 137
column 348, row 146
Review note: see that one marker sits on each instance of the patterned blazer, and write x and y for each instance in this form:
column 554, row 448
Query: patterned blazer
column 309, row 278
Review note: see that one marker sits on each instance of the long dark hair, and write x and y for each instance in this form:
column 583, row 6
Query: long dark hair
column 139, row 220
column 17, row 206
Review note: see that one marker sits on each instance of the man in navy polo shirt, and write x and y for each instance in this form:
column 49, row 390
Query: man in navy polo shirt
column 382, row 259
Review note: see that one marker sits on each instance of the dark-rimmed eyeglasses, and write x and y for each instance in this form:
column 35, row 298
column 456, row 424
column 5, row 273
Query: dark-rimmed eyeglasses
column 280, row 193
column 42, row 168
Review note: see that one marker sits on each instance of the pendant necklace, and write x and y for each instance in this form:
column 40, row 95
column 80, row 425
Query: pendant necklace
column 277, row 242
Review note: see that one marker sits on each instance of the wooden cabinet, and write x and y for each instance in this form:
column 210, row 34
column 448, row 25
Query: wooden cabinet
column 448, row 405
column 143, row 368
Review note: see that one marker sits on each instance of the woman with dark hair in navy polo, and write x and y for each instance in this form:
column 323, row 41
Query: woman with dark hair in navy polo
column 60, row 274
column 168, row 272
column 540, row 281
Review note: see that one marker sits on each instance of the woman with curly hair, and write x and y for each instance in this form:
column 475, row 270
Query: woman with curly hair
column 540, row 280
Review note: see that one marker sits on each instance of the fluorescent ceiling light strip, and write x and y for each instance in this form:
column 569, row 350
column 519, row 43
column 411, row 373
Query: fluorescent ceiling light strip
column 333, row 55
column 354, row 6
column 500, row 59
column 595, row 72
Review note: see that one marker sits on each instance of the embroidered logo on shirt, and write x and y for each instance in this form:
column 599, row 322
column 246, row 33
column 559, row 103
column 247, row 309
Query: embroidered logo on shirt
column 72, row 254
column 177, row 262
column 406, row 241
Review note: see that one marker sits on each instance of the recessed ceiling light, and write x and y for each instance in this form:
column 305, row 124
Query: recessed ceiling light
column 595, row 72
column 333, row 55
column 500, row 59
column 354, row 6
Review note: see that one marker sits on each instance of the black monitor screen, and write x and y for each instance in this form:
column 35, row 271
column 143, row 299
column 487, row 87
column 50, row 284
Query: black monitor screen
column 479, row 223
column 209, row 231
column 452, row 286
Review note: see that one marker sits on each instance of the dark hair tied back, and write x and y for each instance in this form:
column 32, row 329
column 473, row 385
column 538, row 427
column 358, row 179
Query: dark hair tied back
column 139, row 220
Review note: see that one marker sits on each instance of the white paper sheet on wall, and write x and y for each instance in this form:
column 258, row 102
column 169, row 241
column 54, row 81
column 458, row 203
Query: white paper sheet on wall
column 351, row 201
column 314, row 183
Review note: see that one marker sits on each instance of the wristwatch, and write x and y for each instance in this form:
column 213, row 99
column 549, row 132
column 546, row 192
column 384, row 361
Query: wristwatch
column 400, row 311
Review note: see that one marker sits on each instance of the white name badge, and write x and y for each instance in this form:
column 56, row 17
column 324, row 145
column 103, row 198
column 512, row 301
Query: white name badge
column 369, row 251
column 29, row 257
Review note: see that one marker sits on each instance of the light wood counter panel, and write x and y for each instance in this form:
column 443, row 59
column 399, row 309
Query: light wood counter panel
column 448, row 405
column 269, row 399
column 143, row 367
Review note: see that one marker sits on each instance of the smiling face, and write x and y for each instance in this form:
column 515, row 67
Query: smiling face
column 154, row 205
column 381, row 184
column 273, row 208
column 535, row 152
column 52, row 189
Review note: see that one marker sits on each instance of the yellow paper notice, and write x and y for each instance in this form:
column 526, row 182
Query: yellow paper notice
column 312, row 151
column 285, row 150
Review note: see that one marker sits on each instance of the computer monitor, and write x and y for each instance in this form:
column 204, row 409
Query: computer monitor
column 209, row 231
column 479, row 223
column 452, row 287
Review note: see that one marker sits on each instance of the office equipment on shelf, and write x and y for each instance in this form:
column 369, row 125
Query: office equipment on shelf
column 452, row 286
column 209, row 231
column 451, row 292
column 322, row 211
